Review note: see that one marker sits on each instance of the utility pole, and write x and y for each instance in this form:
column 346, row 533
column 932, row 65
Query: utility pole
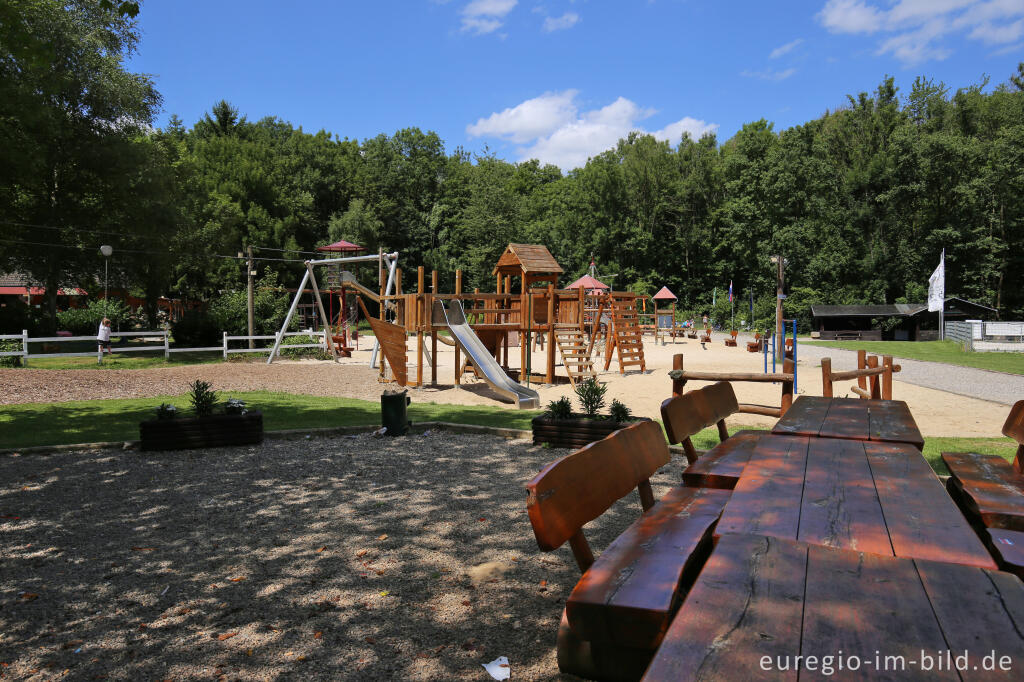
column 249, row 272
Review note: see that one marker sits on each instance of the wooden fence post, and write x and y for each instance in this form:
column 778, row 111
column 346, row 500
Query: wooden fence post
column 678, row 384
column 24, row 347
column 875, row 383
column 862, row 382
column 225, row 345
column 826, row 377
column 887, row 378
column 788, row 367
column 550, row 375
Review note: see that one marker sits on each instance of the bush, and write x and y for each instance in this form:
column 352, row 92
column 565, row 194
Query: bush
column 559, row 409
column 7, row 346
column 619, row 412
column 17, row 316
column 203, row 397
column 86, row 321
column 270, row 306
column 197, row 329
column 316, row 353
column 591, row 396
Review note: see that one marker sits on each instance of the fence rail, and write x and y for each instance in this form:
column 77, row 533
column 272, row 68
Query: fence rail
column 981, row 336
column 160, row 341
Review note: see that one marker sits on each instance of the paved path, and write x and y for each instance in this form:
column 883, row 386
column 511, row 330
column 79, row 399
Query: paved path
column 984, row 384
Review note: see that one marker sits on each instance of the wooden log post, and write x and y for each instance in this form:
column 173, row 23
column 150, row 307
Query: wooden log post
column 418, row 321
column 458, row 350
column 788, row 367
column 678, row 384
column 550, row 375
column 826, row 377
column 862, row 382
column 887, row 377
column 876, row 393
column 433, row 330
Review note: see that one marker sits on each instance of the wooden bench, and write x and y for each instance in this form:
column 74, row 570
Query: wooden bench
column 756, row 346
column 687, row 414
column 619, row 611
column 731, row 341
column 988, row 489
column 1007, row 547
column 706, row 336
column 692, row 333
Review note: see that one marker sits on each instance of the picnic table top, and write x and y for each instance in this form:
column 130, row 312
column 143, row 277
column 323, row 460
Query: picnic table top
column 868, row 496
column 760, row 602
column 877, row 420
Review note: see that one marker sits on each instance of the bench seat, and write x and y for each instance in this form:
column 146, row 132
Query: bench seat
column 987, row 489
column 1007, row 547
column 628, row 596
column 722, row 465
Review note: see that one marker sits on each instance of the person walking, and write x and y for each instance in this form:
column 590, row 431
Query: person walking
column 103, row 336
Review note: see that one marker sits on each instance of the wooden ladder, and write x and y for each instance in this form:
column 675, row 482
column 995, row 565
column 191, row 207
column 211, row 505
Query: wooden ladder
column 575, row 354
column 626, row 338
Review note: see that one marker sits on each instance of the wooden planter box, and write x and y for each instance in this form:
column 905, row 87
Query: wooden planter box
column 573, row 433
column 201, row 432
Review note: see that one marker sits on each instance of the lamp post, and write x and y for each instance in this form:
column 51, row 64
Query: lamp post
column 781, row 264
column 107, row 251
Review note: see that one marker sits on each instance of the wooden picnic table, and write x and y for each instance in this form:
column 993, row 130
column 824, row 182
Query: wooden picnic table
column 887, row 421
column 760, row 602
column 862, row 495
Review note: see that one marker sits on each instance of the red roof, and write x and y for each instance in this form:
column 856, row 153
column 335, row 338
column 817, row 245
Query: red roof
column 341, row 246
column 587, row 282
column 665, row 295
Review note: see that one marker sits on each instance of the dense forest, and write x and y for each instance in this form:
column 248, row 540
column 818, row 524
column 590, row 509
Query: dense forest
column 861, row 201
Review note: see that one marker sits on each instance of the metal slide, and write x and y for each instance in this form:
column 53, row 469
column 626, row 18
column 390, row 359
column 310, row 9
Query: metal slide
column 455, row 318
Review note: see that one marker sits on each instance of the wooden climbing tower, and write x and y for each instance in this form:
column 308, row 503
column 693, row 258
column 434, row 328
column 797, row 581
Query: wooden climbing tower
column 575, row 354
column 626, row 336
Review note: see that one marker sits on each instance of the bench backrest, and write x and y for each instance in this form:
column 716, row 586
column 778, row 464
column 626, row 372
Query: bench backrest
column 687, row 414
column 1014, row 428
column 578, row 488
column 733, row 334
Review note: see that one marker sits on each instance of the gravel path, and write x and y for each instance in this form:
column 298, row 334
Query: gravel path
column 352, row 558
column 984, row 384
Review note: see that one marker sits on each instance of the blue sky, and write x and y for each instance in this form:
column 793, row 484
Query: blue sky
column 559, row 80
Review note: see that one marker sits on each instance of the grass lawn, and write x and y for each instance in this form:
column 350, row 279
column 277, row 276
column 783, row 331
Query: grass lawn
column 948, row 352
column 127, row 361
column 94, row 421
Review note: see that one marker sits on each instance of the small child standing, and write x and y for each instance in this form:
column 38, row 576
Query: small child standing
column 104, row 336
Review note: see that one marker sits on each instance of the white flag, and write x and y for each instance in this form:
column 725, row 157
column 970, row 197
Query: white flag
column 937, row 286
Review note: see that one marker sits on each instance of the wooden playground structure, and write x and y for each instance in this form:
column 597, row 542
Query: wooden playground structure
column 569, row 324
column 529, row 313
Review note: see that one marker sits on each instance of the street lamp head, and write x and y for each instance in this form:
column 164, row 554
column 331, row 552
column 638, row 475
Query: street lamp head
column 106, row 250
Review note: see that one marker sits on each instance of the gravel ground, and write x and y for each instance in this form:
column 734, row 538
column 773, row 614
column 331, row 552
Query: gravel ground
column 308, row 377
column 348, row 558
column 997, row 387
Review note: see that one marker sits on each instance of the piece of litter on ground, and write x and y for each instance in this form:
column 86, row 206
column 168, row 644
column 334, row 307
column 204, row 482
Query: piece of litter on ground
column 78, row 650
column 498, row 668
column 380, row 432
column 165, row 590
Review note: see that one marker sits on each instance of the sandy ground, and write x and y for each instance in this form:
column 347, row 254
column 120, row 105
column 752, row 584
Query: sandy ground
column 938, row 413
column 352, row 558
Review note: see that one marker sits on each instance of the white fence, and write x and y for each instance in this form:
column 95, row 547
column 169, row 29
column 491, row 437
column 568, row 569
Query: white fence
column 155, row 340
column 984, row 337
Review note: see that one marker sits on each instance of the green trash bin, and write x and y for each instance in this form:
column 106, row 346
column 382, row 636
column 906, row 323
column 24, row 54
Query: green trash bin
column 392, row 413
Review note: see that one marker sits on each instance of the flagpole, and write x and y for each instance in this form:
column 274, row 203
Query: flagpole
column 942, row 310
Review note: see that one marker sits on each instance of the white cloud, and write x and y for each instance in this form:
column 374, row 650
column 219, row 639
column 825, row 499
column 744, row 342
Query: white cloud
column 769, row 75
column 527, row 121
column 784, row 49
column 486, row 16
column 551, row 128
column 1009, row 49
column 850, row 16
column 916, row 27
column 997, row 35
column 567, row 20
